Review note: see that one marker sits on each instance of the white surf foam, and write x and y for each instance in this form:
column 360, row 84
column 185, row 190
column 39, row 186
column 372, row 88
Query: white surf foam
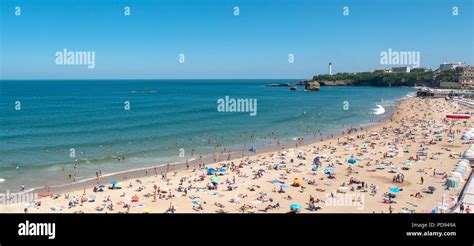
column 379, row 110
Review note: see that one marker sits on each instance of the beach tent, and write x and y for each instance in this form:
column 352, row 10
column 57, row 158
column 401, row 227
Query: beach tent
column 351, row 160
column 457, row 175
column 252, row 149
column 468, row 155
column 464, row 165
column 461, row 171
column 452, row 182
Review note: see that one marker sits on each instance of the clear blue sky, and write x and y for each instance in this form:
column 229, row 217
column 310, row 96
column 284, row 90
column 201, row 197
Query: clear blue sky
column 217, row 44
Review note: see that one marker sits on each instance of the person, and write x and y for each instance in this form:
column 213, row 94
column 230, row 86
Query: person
column 461, row 208
column 422, row 180
column 468, row 210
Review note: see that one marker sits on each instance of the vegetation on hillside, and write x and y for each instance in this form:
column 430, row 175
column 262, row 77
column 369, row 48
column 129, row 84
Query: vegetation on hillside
column 380, row 79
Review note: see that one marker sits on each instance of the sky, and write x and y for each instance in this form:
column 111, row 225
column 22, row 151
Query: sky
column 219, row 45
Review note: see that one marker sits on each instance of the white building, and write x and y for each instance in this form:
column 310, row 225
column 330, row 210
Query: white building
column 400, row 69
column 449, row 66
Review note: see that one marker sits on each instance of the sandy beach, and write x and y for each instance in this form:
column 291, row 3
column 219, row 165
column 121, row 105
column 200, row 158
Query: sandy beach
column 397, row 166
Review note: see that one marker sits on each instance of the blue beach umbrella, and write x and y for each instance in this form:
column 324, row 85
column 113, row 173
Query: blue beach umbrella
column 351, row 160
column 211, row 171
column 394, row 189
column 196, row 202
column 295, row 206
column 113, row 182
column 222, row 170
column 328, row 171
column 101, row 186
column 314, row 168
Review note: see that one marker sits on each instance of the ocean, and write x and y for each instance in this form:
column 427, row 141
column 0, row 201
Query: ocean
column 50, row 129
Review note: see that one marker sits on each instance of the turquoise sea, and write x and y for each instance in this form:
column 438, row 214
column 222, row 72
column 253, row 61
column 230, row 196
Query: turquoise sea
column 166, row 118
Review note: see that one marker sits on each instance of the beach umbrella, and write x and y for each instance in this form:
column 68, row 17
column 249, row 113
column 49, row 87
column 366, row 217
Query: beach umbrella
column 283, row 186
column 431, row 188
column 113, row 182
column 408, row 164
column 195, row 202
column 215, row 179
column 314, row 168
column 351, row 160
column 135, row 198
column 101, row 186
column 252, row 149
column 394, row 189
column 211, row 171
column 328, row 171
column 146, row 210
column 295, row 206
column 222, row 170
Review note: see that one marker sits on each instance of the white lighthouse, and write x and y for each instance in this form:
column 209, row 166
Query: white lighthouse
column 330, row 68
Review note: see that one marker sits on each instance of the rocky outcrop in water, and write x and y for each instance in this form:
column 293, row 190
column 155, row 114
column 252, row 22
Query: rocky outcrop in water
column 312, row 86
